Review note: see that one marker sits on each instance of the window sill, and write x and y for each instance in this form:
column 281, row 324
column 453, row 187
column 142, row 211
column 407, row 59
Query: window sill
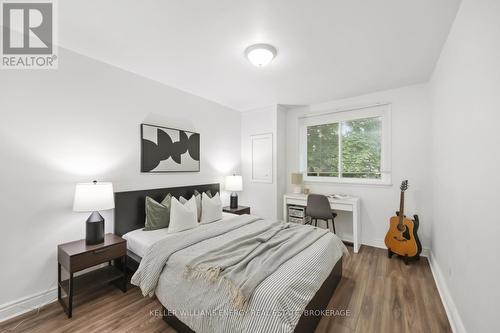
column 348, row 181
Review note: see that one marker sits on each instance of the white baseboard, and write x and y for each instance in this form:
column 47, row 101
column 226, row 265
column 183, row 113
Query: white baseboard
column 454, row 318
column 379, row 243
column 23, row 305
column 32, row 302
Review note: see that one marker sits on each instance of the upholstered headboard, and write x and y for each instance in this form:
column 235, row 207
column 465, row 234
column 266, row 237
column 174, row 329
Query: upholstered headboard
column 130, row 211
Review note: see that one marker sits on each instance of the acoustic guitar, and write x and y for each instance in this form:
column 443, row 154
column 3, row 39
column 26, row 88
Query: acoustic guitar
column 402, row 238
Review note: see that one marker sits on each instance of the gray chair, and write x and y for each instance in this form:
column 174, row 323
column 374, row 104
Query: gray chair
column 318, row 208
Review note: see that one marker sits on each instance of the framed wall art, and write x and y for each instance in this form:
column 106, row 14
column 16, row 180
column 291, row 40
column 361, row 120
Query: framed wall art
column 166, row 149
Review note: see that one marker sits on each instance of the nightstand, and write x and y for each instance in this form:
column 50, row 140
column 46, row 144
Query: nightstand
column 238, row 211
column 76, row 256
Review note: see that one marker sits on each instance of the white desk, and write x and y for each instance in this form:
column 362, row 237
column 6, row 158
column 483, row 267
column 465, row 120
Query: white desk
column 350, row 205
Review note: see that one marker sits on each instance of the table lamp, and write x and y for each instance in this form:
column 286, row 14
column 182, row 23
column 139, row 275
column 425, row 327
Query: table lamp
column 297, row 181
column 234, row 183
column 93, row 197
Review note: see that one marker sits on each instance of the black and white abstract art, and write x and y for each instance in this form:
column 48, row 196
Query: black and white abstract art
column 169, row 150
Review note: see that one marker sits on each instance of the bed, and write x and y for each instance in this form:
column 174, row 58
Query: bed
column 290, row 299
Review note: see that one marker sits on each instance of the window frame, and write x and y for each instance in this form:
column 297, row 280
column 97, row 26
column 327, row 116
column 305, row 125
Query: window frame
column 382, row 110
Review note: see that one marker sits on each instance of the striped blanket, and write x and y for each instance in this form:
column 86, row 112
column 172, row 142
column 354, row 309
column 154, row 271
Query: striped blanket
column 156, row 257
column 241, row 264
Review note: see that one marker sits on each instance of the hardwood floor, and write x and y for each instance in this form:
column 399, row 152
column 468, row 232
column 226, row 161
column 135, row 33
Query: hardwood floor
column 384, row 295
column 381, row 294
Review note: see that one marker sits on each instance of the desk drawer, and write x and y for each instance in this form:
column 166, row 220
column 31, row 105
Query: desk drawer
column 297, row 202
column 341, row 206
column 96, row 257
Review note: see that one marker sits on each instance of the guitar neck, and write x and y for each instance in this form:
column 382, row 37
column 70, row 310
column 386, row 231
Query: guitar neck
column 401, row 207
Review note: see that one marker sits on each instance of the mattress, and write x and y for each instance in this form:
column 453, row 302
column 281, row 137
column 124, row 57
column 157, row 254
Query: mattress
column 138, row 241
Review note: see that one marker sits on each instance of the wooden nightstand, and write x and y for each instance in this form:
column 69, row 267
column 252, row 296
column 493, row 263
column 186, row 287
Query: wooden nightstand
column 77, row 256
column 238, row 211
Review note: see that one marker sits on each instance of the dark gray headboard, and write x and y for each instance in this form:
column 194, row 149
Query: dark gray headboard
column 130, row 211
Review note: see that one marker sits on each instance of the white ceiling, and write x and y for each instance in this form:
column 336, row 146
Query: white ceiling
column 326, row 49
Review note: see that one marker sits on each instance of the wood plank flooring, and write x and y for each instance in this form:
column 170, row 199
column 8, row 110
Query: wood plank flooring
column 381, row 295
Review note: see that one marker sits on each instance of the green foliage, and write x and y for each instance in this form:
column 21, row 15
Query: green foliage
column 361, row 149
column 323, row 150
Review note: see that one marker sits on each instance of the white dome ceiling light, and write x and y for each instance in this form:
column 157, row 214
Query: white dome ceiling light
column 260, row 54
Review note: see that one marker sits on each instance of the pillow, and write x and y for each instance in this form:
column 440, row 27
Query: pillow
column 183, row 217
column 211, row 210
column 157, row 214
column 209, row 193
column 197, row 197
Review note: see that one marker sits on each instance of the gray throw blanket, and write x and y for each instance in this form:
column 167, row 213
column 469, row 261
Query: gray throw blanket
column 147, row 275
column 241, row 264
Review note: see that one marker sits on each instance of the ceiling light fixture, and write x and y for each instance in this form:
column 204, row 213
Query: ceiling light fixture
column 260, row 54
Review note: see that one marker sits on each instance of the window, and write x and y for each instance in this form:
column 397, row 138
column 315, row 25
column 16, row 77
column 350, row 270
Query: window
column 347, row 146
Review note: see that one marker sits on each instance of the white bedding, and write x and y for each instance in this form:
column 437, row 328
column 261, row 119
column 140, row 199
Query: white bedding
column 138, row 241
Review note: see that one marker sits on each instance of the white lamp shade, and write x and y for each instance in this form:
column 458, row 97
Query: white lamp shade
column 93, row 197
column 234, row 183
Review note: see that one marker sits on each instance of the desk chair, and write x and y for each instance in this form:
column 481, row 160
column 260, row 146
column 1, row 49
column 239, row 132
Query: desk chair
column 318, row 207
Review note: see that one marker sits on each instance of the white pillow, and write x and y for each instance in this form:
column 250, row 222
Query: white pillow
column 197, row 197
column 182, row 217
column 211, row 208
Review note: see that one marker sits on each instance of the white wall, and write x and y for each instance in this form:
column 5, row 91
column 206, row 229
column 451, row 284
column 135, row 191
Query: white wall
column 265, row 199
column 410, row 160
column 465, row 163
column 281, row 144
column 76, row 124
column 261, row 197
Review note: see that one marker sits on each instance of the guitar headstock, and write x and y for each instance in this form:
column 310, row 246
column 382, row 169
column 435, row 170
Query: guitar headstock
column 404, row 185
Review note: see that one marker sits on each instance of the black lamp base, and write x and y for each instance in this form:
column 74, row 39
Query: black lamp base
column 234, row 201
column 94, row 229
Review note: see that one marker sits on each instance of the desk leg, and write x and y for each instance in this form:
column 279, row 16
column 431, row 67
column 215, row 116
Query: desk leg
column 356, row 227
column 285, row 211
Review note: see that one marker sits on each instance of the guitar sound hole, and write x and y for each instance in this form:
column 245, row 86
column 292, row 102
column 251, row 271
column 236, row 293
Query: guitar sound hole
column 401, row 227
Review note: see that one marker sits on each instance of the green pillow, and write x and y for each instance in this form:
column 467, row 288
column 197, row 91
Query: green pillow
column 157, row 214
